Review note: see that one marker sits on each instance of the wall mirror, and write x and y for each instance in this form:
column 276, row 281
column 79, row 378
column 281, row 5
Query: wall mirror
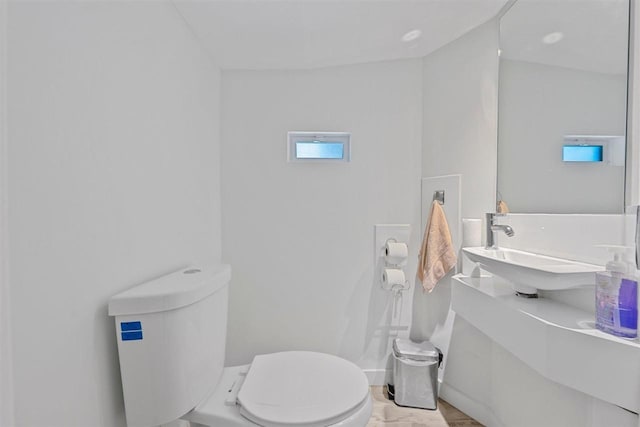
column 563, row 106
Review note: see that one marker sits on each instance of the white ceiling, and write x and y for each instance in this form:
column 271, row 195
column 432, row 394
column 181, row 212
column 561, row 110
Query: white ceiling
column 595, row 33
column 298, row 34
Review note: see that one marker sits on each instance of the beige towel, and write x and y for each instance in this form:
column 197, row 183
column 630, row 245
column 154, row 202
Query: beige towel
column 437, row 255
column 502, row 207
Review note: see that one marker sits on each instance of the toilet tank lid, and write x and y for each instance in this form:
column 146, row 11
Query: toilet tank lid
column 174, row 290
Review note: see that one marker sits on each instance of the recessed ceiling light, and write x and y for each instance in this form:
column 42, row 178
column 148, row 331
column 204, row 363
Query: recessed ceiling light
column 552, row 38
column 411, row 36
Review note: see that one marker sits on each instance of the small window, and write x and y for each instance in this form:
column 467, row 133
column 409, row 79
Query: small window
column 601, row 149
column 582, row 153
column 319, row 146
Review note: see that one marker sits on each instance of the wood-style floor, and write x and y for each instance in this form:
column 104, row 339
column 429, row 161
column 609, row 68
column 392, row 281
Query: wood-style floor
column 388, row 414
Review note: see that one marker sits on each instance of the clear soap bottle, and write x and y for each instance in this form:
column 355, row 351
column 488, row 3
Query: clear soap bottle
column 617, row 297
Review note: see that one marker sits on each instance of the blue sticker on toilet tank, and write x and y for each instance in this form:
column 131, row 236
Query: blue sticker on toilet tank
column 131, row 331
column 130, row 326
column 131, row 336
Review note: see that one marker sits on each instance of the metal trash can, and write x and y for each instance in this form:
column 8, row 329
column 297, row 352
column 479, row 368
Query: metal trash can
column 415, row 374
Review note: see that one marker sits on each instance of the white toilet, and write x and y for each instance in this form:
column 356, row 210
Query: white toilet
column 171, row 335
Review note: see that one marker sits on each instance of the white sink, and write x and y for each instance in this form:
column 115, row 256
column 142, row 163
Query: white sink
column 529, row 272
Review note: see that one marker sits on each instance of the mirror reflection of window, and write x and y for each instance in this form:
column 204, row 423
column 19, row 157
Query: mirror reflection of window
column 563, row 73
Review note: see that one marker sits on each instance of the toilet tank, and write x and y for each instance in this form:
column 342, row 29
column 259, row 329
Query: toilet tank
column 171, row 334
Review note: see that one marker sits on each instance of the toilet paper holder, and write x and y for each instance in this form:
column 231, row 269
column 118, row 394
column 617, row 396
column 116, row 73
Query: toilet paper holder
column 395, row 255
column 391, row 256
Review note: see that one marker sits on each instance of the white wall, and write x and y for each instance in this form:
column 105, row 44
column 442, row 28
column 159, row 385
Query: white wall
column 6, row 382
column 539, row 104
column 459, row 137
column 113, row 179
column 460, row 114
column 300, row 236
column 632, row 184
column 564, row 236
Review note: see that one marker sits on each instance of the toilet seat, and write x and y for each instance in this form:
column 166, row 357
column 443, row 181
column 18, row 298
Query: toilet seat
column 301, row 388
column 277, row 385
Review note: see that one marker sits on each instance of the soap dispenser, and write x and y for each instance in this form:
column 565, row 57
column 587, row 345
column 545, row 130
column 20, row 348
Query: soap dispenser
column 617, row 296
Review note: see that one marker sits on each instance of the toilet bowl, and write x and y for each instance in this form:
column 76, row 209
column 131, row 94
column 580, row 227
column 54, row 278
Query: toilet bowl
column 171, row 335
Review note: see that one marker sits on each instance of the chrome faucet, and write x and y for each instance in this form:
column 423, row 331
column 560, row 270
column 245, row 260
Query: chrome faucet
column 492, row 227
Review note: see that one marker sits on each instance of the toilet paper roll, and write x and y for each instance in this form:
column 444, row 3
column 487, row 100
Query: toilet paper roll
column 471, row 232
column 392, row 277
column 396, row 253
